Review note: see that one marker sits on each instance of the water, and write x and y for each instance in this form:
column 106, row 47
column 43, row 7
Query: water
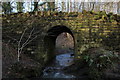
column 55, row 70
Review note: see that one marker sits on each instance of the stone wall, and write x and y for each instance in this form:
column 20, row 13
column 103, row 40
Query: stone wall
column 89, row 29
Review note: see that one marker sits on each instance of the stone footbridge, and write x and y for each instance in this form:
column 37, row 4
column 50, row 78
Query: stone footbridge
column 88, row 29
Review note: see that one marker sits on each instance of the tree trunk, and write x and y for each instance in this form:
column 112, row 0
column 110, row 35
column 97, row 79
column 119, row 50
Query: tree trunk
column 35, row 6
column 51, row 6
column 6, row 7
column 20, row 6
column 118, row 7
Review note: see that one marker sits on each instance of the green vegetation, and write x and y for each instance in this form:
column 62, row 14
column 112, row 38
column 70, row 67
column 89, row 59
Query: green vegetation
column 98, row 61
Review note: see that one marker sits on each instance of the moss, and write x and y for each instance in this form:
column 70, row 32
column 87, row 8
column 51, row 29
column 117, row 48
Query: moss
column 73, row 14
column 84, row 12
column 84, row 47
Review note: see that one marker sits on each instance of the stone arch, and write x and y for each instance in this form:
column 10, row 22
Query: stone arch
column 50, row 38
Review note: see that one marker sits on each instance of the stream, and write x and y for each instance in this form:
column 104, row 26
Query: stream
column 55, row 70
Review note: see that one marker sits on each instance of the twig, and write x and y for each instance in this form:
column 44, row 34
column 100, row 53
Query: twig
column 28, row 37
column 12, row 38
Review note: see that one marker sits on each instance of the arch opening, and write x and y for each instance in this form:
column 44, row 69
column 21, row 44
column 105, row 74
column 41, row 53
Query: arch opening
column 52, row 38
column 64, row 43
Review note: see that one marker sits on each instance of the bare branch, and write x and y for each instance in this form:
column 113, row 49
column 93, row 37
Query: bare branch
column 21, row 37
column 28, row 37
column 21, row 46
column 27, row 44
column 12, row 38
column 31, row 40
column 36, row 32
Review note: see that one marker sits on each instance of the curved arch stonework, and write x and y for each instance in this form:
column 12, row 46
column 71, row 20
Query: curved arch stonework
column 58, row 23
column 48, row 51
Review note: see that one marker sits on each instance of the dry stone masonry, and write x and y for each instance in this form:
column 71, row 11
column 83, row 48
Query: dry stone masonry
column 88, row 29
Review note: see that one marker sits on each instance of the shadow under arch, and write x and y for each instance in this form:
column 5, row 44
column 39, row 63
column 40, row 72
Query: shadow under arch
column 50, row 39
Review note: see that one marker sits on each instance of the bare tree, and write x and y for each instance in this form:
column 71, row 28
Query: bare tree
column 20, row 6
column 83, row 7
column 93, row 6
column 35, row 6
column 118, row 7
column 30, row 38
column 7, row 7
column 19, row 42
